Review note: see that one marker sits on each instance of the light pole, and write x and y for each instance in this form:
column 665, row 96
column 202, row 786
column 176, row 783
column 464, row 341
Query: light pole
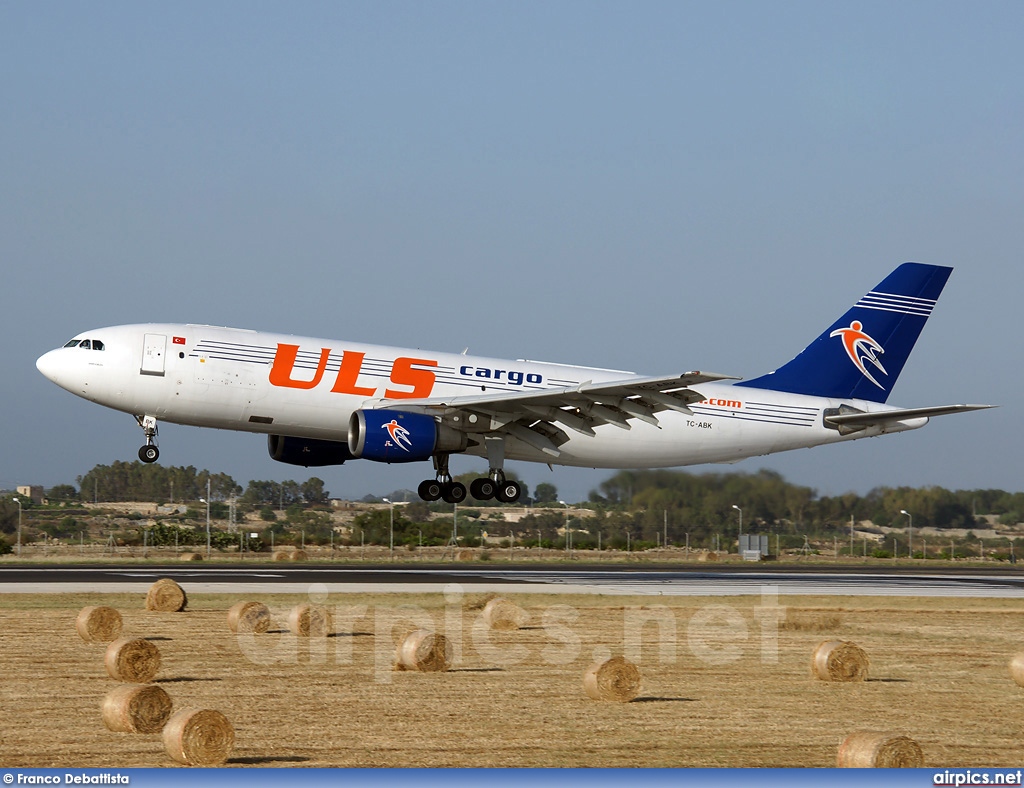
column 18, row 501
column 391, row 528
column 739, row 540
column 206, row 500
column 568, row 539
column 910, row 532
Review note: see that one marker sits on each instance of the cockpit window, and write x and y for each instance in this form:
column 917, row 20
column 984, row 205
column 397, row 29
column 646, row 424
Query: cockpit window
column 86, row 344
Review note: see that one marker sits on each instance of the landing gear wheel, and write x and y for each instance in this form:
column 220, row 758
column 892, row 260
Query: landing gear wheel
column 149, row 452
column 508, row 492
column 454, row 492
column 482, row 489
column 429, row 490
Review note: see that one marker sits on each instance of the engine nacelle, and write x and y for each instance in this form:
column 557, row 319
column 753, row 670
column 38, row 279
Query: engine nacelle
column 309, row 452
column 396, row 436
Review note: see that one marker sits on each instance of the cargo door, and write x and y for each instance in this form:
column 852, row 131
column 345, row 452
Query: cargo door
column 154, row 348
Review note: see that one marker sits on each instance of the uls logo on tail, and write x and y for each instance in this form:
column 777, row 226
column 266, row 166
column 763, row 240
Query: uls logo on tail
column 860, row 348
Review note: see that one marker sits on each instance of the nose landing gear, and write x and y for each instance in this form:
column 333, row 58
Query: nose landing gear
column 149, row 452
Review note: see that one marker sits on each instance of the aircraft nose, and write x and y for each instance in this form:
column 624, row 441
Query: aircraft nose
column 49, row 364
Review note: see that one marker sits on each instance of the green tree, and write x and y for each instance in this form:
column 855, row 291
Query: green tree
column 417, row 511
column 315, row 526
column 62, row 492
column 223, row 487
column 9, row 514
column 375, row 526
column 276, row 494
column 219, row 510
column 258, row 493
column 543, row 525
column 290, row 493
column 313, row 492
column 545, row 493
column 60, row 529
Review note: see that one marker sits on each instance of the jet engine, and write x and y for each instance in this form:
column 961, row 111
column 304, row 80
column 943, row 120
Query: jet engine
column 309, row 452
column 396, row 436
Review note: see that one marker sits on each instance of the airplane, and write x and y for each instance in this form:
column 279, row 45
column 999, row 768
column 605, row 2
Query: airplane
column 326, row 402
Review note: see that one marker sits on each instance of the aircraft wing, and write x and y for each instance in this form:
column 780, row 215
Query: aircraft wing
column 540, row 418
column 860, row 420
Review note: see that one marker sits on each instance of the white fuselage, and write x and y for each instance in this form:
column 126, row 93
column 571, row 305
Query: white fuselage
column 297, row 386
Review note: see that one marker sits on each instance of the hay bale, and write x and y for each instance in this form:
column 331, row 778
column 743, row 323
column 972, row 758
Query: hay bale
column 871, row 749
column 166, row 596
column 1017, row 669
column 709, row 555
column 478, row 601
column 98, row 624
column 134, row 661
column 136, row 708
column 425, row 651
column 839, row 660
column 502, row 615
column 299, row 555
column 249, row 616
column 465, row 555
column 310, row 621
column 282, row 555
column 199, row 737
column 190, row 557
column 615, row 679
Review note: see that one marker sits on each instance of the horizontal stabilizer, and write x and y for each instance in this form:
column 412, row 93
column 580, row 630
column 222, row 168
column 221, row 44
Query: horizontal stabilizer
column 904, row 414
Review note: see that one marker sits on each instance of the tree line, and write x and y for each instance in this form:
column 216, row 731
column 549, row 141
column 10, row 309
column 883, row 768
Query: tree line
column 707, row 503
column 630, row 508
column 137, row 481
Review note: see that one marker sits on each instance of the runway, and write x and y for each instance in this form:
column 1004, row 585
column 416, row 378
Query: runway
column 738, row 581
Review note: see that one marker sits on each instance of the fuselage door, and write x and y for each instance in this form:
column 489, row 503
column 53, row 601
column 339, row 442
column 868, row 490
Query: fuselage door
column 154, row 347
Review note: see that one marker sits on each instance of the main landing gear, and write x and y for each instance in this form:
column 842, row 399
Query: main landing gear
column 442, row 486
column 494, row 485
column 149, row 452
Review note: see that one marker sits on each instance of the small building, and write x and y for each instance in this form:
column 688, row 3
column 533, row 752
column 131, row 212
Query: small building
column 34, row 492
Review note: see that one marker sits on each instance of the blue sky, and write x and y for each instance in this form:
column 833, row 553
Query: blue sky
column 647, row 186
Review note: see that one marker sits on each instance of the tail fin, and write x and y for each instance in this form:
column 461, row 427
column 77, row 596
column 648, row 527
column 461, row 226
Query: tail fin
column 861, row 354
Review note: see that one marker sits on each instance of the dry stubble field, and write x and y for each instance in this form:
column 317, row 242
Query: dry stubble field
column 709, row 697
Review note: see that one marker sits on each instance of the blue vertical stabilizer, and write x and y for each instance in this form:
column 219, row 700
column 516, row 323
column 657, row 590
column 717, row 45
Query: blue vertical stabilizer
column 861, row 355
